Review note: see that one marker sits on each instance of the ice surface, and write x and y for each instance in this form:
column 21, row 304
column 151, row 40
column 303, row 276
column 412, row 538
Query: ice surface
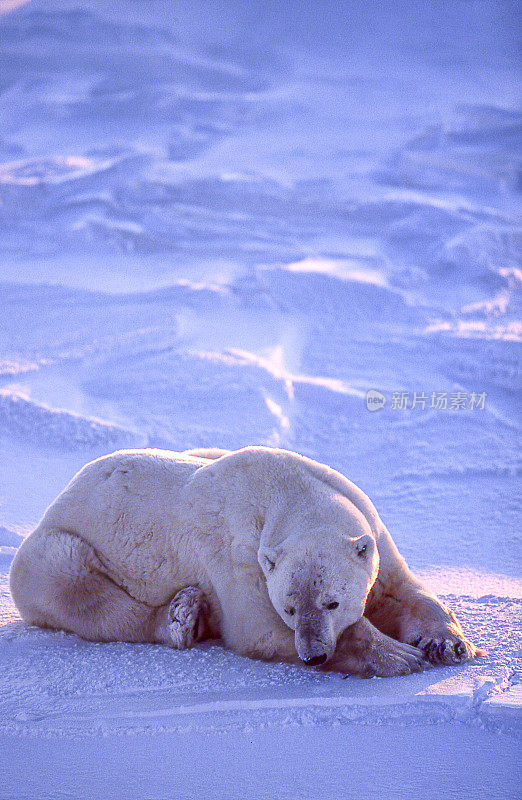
column 220, row 225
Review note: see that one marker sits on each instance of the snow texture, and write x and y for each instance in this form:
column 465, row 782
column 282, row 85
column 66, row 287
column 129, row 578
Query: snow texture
column 222, row 224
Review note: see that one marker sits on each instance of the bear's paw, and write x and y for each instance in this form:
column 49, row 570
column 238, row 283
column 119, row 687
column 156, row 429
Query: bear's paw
column 188, row 612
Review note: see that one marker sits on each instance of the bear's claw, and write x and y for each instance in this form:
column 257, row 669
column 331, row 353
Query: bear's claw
column 446, row 649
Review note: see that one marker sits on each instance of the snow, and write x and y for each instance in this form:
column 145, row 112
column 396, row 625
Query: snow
column 220, row 225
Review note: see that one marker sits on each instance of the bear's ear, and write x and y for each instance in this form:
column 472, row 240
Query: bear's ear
column 267, row 558
column 364, row 546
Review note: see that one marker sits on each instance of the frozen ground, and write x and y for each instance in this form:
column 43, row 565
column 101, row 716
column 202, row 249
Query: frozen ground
column 223, row 225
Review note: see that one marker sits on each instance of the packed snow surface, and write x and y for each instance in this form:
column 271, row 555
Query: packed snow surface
column 223, row 224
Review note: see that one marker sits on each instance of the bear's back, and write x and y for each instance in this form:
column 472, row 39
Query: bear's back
column 125, row 506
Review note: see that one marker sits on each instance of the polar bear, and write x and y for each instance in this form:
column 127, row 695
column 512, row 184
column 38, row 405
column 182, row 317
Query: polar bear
column 277, row 554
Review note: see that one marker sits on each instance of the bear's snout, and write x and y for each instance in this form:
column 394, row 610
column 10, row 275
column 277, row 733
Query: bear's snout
column 315, row 661
column 314, row 641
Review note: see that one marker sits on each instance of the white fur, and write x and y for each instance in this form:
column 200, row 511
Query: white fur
column 134, row 528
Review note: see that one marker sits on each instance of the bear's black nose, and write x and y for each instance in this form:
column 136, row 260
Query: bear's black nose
column 316, row 660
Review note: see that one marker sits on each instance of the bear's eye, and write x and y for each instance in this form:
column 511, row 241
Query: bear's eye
column 361, row 551
column 331, row 606
column 290, row 611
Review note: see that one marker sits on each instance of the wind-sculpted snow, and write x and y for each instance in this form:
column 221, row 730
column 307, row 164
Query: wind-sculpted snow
column 223, row 224
column 22, row 419
column 477, row 150
column 165, row 147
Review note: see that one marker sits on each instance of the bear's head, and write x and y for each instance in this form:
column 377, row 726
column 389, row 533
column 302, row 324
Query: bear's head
column 320, row 591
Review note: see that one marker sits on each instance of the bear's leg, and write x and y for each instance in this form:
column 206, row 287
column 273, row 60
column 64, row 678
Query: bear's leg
column 257, row 632
column 58, row 581
column 409, row 612
column 364, row 650
column 188, row 617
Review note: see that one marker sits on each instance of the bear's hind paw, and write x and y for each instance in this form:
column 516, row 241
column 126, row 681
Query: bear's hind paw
column 188, row 612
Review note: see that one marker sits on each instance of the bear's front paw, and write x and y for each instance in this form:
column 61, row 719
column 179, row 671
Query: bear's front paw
column 393, row 658
column 446, row 648
column 188, row 612
column 364, row 650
